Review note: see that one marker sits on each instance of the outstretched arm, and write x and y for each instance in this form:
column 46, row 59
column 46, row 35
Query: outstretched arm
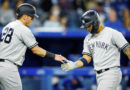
column 43, row 53
column 127, row 52
column 85, row 59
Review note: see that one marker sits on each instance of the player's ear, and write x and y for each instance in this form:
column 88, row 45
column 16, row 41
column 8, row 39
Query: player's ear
column 24, row 16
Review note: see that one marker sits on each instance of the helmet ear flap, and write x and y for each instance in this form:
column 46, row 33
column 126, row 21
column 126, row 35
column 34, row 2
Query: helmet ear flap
column 18, row 14
column 95, row 27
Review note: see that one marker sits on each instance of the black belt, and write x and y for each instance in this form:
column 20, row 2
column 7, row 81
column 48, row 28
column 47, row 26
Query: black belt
column 103, row 70
column 3, row 60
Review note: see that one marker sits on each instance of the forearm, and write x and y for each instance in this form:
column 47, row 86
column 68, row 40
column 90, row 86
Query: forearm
column 40, row 52
column 80, row 63
column 44, row 53
column 127, row 52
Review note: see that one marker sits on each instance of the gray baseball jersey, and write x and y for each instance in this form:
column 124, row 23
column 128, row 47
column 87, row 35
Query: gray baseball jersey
column 105, row 47
column 15, row 39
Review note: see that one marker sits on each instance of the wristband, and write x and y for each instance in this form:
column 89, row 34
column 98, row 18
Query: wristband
column 84, row 61
column 50, row 55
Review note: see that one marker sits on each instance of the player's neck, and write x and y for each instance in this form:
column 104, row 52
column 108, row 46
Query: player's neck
column 101, row 27
column 22, row 21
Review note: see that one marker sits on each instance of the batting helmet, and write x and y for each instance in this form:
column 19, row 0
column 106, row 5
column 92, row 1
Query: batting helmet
column 90, row 17
column 27, row 9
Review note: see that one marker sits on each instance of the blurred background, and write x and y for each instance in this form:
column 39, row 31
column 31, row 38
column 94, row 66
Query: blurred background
column 58, row 30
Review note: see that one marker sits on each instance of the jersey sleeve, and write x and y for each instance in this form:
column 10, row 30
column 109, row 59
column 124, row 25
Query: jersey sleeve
column 119, row 40
column 86, row 49
column 28, row 39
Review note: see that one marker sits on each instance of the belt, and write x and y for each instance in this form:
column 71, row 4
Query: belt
column 103, row 70
column 3, row 60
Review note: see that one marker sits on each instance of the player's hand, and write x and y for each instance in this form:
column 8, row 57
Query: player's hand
column 60, row 58
column 69, row 65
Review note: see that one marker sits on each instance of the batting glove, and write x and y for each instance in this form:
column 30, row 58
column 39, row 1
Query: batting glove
column 69, row 65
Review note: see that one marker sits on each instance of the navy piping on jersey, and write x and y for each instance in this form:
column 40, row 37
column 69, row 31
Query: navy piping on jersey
column 87, row 53
column 125, row 46
column 33, row 45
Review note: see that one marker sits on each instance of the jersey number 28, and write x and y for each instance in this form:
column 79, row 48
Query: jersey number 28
column 7, row 35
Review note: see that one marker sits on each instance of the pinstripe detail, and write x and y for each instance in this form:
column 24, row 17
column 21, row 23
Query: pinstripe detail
column 87, row 53
column 125, row 46
column 33, row 45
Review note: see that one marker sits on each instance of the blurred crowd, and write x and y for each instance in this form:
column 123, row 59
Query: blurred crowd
column 65, row 14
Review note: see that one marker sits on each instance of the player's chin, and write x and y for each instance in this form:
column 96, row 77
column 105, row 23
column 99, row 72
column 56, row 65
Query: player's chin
column 28, row 25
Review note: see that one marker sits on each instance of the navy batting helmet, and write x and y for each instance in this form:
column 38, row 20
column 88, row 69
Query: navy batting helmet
column 90, row 17
column 27, row 9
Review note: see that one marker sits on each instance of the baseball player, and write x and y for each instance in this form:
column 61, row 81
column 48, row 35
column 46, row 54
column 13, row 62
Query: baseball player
column 103, row 44
column 16, row 38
